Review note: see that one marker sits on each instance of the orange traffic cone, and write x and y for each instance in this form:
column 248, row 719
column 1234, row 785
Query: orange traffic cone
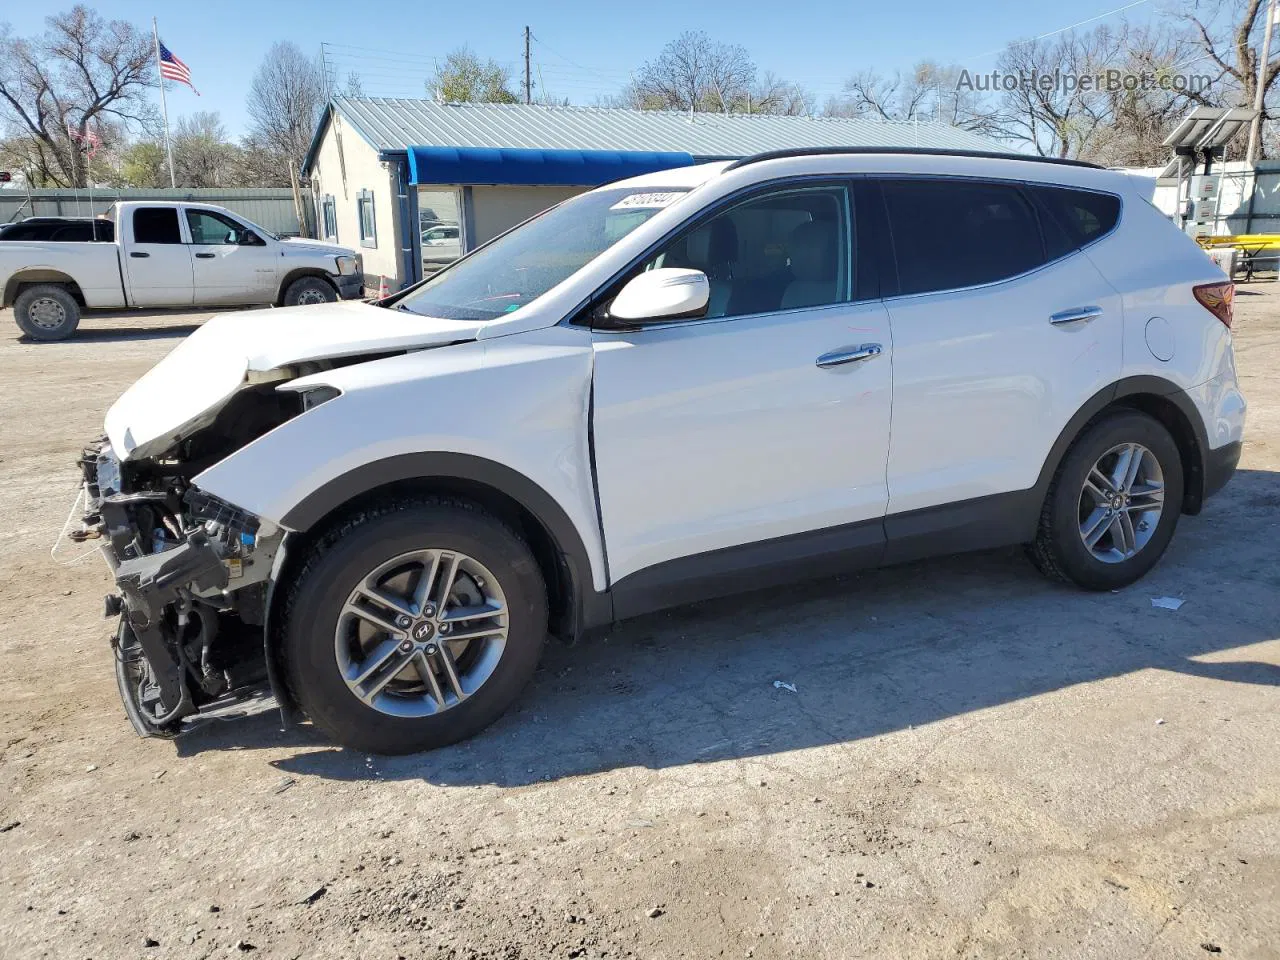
column 384, row 289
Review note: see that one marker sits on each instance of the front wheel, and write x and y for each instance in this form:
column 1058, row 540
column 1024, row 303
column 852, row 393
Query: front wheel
column 1113, row 505
column 307, row 290
column 413, row 625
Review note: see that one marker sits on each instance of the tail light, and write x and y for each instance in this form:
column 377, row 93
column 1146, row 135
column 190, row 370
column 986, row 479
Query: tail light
column 1216, row 298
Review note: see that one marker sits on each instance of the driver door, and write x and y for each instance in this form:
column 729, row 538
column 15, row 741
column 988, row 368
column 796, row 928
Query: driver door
column 231, row 263
column 754, row 440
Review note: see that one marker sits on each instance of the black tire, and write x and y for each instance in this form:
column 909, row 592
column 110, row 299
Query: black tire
column 1059, row 551
column 309, row 287
column 39, row 326
column 359, row 545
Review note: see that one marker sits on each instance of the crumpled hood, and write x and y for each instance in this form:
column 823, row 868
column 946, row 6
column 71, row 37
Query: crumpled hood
column 193, row 382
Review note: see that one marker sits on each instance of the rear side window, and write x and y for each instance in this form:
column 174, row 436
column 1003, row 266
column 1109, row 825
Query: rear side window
column 156, row 225
column 1075, row 217
column 960, row 233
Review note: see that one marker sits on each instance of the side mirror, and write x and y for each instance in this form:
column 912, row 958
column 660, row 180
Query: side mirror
column 668, row 293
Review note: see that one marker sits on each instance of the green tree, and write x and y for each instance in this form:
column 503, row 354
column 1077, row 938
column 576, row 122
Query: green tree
column 143, row 164
column 464, row 78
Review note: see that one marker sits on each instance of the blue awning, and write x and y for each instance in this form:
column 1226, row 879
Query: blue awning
column 502, row 165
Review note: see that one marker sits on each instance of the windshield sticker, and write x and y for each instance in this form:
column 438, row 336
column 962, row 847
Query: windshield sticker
column 646, row 201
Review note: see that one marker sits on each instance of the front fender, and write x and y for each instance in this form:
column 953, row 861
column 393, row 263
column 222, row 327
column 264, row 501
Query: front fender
column 510, row 412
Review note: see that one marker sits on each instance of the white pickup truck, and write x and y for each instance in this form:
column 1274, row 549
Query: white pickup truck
column 169, row 255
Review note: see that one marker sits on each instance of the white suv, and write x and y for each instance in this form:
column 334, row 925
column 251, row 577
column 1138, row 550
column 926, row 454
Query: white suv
column 691, row 383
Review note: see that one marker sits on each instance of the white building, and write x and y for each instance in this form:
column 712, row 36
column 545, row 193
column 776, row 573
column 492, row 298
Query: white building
column 413, row 184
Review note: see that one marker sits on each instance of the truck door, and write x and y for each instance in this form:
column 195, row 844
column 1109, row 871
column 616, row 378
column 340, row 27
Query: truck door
column 231, row 263
column 156, row 261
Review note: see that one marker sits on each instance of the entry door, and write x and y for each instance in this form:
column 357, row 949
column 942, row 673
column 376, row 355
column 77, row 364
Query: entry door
column 157, row 261
column 766, row 419
column 1001, row 335
column 231, row 263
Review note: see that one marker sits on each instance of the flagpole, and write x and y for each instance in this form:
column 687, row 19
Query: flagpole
column 164, row 108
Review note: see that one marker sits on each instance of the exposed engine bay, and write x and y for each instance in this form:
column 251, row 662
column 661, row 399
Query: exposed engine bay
column 192, row 570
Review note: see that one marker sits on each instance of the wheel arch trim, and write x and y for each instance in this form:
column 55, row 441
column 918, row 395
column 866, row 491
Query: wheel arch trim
column 585, row 605
column 1132, row 389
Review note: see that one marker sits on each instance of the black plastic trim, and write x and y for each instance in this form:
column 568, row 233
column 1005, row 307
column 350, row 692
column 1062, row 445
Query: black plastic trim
column 732, row 570
column 1219, row 466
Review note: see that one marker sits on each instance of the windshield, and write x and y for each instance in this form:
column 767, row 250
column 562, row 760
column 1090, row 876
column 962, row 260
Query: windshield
column 527, row 262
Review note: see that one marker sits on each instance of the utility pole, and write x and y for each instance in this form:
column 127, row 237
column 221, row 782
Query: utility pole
column 529, row 80
column 1264, row 59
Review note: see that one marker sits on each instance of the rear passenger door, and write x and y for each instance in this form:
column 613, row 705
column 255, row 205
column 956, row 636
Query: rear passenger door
column 1002, row 329
column 158, row 263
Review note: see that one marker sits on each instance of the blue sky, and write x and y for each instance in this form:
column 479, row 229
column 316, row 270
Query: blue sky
column 581, row 48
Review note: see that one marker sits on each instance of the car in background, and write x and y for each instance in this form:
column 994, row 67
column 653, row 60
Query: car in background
column 441, row 244
column 59, row 230
column 167, row 255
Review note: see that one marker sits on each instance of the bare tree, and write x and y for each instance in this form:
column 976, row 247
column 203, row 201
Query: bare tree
column 693, row 73
column 464, row 78
column 930, row 91
column 772, row 94
column 54, row 89
column 285, row 101
column 354, row 87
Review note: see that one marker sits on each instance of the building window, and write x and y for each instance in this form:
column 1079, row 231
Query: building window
column 365, row 217
column 329, row 217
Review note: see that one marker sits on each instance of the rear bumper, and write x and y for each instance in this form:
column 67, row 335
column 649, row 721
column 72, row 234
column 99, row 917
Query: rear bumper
column 350, row 286
column 1219, row 465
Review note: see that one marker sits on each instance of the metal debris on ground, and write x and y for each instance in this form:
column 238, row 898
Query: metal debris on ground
column 1167, row 603
column 781, row 685
column 284, row 784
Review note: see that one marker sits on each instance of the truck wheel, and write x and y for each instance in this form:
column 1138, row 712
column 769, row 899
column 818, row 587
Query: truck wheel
column 412, row 625
column 309, row 290
column 46, row 312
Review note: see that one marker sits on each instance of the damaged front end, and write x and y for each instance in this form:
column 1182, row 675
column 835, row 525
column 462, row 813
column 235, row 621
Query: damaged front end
column 192, row 573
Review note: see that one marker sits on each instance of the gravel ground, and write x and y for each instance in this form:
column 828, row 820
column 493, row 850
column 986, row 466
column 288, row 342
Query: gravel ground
column 975, row 763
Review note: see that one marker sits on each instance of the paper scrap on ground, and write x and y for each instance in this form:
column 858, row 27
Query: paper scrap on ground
column 1167, row 603
column 779, row 685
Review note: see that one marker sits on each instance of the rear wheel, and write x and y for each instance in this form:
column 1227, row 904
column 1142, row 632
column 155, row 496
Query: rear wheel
column 413, row 626
column 306, row 290
column 46, row 312
column 1113, row 506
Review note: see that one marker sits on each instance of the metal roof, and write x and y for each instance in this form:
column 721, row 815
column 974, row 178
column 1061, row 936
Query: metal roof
column 395, row 125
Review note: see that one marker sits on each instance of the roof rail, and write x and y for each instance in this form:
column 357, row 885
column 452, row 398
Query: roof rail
column 910, row 151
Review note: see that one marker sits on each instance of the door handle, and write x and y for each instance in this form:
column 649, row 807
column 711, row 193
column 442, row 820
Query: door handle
column 1075, row 315
column 848, row 355
column 138, row 253
column 206, row 256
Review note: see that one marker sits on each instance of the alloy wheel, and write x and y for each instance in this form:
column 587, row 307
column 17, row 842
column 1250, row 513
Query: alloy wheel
column 421, row 632
column 1121, row 502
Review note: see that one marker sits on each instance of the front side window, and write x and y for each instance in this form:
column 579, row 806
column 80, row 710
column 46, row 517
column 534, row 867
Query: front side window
column 208, row 227
column 782, row 251
column 156, row 225
column 365, row 216
column 949, row 234
column 525, row 263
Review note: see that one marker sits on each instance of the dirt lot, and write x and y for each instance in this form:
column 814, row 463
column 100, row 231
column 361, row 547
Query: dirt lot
column 975, row 763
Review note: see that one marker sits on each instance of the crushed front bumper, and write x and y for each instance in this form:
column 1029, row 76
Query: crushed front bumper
column 192, row 575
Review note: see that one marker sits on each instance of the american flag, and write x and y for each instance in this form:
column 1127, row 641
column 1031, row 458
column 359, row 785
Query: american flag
column 171, row 68
column 90, row 137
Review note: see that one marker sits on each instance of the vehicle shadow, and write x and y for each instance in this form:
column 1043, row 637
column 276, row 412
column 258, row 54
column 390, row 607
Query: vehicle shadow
column 868, row 654
column 117, row 334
